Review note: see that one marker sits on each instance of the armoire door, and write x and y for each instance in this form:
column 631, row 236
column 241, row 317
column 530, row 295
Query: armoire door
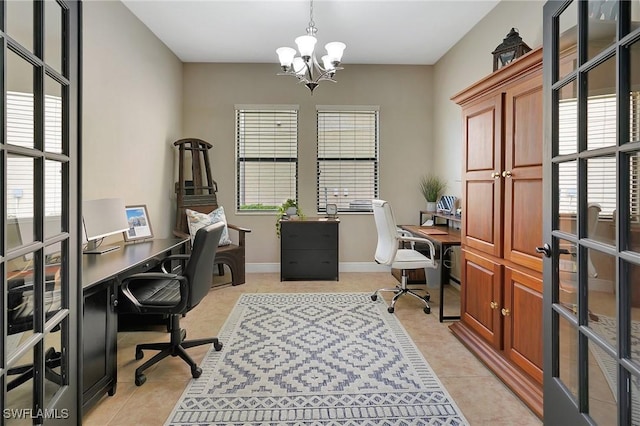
column 522, row 313
column 482, row 201
column 482, row 301
column 591, row 216
column 522, row 173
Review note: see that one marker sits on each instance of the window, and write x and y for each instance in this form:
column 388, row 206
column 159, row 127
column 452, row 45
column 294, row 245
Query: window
column 266, row 156
column 347, row 173
column 601, row 171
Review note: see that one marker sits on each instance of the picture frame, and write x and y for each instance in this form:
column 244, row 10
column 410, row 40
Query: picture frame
column 139, row 223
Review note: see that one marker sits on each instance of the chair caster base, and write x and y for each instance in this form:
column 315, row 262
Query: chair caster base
column 390, row 309
column 427, row 297
column 140, row 379
column 427, row 310
column 196, row 372
column 217, row 346
column 139, row 355
column 374, row 297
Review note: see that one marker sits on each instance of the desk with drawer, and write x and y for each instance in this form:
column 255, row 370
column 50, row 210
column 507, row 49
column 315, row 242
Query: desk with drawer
column 101, row 276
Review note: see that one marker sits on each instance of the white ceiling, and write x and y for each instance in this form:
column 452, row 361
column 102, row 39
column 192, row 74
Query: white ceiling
column 375, row 31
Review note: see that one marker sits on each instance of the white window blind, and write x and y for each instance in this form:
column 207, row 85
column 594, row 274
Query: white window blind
column 20, row 170
column 267, row 157
column 347, row 158
column 601, row 171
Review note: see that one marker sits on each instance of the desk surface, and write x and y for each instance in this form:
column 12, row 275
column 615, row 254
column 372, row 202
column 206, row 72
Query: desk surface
column 97, row 268
column 440, row 234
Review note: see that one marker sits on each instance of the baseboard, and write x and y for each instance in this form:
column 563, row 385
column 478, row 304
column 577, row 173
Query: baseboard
column 343, row 267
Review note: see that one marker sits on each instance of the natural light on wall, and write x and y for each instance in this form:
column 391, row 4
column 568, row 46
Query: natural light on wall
column 20, row 169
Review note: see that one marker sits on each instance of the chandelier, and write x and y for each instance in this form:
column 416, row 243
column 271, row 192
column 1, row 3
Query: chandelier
column 306, row 67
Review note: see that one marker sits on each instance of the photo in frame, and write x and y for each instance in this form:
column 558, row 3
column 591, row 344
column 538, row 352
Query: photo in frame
column 139, row 224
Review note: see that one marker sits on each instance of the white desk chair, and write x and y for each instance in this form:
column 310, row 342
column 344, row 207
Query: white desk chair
column 388, row 253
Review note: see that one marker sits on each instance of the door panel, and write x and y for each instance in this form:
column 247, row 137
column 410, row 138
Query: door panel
column 479, row 224
column 482, row 197
column 523, row 321
column 482, row 296
column 523, row 174
column 39, row 258
column 591, row 198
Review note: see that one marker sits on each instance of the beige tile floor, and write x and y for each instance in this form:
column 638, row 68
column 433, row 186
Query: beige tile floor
column 483, row 398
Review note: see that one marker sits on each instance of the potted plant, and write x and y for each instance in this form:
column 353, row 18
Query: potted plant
column 287, row 210
column 432, row 187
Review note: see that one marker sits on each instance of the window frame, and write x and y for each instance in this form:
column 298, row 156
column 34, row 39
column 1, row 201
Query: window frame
column 242, row 160
column 321, row 193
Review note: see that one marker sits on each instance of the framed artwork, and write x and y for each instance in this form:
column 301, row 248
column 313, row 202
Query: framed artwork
column 139, row 224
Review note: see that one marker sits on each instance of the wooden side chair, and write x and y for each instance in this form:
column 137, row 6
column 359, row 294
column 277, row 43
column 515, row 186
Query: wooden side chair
column 198, row 192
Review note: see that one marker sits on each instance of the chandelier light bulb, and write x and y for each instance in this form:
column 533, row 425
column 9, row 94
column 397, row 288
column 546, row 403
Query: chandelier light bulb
column 335, row 49
column 327, row 63
column 306, row 43
column 285, row 55
column 299, row 67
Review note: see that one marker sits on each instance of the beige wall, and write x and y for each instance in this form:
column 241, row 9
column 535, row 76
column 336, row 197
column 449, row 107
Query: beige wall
column 138, row 99
column 467, row 62
column 404, row 94
column 132, row 112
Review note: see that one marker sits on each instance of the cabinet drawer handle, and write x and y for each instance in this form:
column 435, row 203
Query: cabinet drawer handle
column 505, row 312
column 493, row 305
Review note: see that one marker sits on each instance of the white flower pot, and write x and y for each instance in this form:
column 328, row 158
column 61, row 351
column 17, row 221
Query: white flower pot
column 431, row 206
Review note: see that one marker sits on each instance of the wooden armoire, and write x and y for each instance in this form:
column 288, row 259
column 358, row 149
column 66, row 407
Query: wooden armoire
column 501, row 273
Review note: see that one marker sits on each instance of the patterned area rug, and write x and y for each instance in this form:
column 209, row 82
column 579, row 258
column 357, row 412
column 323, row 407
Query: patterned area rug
column 315, row 359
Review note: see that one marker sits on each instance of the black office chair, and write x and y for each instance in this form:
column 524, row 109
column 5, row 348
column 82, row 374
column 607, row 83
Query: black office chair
column 175, row 295
column 21, row 305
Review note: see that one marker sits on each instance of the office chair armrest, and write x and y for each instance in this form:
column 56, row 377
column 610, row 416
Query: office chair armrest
column 153, row 276
column 404, row 233
column 170, row 258
column 413, row 240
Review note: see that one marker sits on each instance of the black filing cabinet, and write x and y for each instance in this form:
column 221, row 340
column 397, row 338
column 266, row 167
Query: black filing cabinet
column 309, row 249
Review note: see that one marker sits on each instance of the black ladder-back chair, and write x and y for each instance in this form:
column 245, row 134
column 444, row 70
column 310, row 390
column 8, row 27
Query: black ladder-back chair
column 175, row 295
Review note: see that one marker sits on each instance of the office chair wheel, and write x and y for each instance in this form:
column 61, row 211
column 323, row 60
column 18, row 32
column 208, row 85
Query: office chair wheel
column 427, row 310
column 196, row 372
column 140, row 379
column 217, row 346
column 139, row 355
column 374, row 297
column 390, row 309
column 427, row 297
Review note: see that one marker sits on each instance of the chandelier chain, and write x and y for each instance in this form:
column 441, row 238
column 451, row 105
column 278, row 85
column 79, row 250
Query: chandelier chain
column 312, row 25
